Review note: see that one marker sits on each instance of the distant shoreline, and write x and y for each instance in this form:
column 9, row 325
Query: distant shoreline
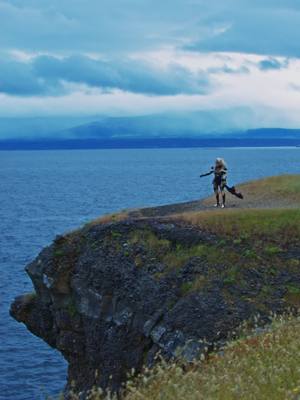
column 155, row 143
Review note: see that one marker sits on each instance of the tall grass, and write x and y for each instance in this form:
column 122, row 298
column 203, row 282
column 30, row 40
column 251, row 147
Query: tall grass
column 259, row 367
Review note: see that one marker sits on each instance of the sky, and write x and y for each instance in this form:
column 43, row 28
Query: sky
column 139, row 57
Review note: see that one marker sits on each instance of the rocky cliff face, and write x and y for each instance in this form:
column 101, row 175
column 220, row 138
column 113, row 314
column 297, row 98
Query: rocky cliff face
column 112, row 295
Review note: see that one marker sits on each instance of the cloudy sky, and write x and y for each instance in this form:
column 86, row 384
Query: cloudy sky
column 135, row 57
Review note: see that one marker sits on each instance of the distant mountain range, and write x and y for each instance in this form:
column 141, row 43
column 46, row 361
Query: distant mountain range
column 39, row 127
column 176, row 130
column 174, row 126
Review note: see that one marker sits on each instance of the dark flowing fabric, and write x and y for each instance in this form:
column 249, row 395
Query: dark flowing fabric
column 233, row 191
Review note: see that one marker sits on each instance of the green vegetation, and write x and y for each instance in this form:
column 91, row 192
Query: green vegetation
column 197, row 284
column 58, row 252
column 220, row 260
column 231, row 260
column 116, row 234
column 109, row 218
column 71, row 308
column 150, row 241
column 275, row 191
column 179, row 256
column 28, row 298
column 231, row 276
column 283, row 186
column 175, row 255
column 292, row 289
column 272, row 250
column 280, row 227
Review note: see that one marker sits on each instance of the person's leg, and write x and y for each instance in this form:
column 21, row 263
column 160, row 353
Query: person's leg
column 217, row 198
column 217, row 194
column 216, row 190
column 223, row 198
column 222, row 190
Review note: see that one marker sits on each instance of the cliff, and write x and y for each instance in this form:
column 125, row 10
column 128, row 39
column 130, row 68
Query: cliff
column 172, row 280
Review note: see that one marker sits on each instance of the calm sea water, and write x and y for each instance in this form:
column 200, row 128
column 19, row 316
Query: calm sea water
column 44, row 193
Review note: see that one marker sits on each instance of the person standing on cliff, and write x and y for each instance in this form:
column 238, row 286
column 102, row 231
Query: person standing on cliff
column 219, row 181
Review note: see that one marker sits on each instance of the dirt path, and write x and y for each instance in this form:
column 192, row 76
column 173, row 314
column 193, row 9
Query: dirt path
column 274, row 192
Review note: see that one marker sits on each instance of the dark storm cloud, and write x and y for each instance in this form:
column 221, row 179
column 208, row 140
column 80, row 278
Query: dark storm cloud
column 46, row 75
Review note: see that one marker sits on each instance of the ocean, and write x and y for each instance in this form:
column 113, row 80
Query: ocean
column 45, row 193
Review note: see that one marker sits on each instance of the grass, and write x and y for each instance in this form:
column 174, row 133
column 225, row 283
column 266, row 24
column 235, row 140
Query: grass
column 58, row 252
column 284, row 186
column 195, row 285
column 278, row 226
column 264, row 366
column 272, row 250
column 116, row 234
column 231, row 276
column 175, row 256
column 292, row 289
column 115, row 217
column 280, row 190
column 209, row 253
column 150, row 242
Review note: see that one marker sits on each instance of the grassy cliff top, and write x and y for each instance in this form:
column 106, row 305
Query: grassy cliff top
column 268, row 193
column 269, row 211
column 267, row 221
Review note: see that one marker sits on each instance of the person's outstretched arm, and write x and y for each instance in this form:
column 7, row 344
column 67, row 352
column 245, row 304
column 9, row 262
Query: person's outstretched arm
column 208, row 173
